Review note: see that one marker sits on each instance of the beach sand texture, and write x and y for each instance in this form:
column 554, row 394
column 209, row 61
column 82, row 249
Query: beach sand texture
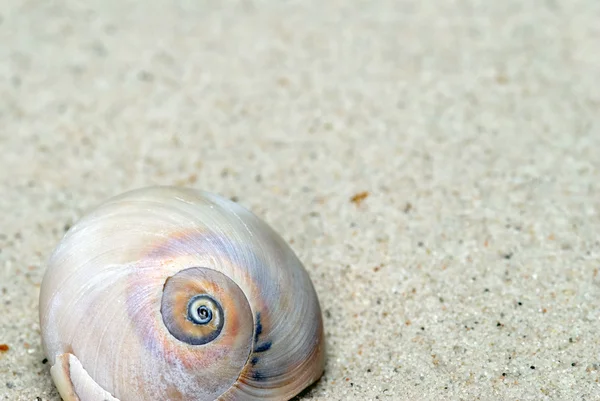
column 435, row 165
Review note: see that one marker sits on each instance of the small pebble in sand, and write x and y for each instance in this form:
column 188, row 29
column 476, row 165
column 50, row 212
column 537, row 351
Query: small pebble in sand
column 4, row 347
column 359, row 197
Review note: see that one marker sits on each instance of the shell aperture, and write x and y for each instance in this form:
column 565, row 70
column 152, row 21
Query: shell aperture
column 192, row 297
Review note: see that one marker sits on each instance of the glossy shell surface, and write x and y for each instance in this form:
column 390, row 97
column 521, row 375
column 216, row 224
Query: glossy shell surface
column 167, row 293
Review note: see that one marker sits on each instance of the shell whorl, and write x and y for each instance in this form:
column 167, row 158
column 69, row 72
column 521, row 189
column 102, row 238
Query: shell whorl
column 170, row 293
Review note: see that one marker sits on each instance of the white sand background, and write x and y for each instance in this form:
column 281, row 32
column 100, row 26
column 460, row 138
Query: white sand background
column 469, row 272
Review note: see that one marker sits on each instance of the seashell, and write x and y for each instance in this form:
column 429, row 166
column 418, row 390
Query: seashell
column 167, row 293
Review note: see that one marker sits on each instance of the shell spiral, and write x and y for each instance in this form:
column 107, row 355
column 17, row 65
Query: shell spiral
column 167, row 293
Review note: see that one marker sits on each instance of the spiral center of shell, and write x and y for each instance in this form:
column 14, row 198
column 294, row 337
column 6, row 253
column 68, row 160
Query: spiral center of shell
column 200, row 309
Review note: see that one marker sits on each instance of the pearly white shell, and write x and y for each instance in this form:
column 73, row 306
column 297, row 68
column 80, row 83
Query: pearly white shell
column 119, row 323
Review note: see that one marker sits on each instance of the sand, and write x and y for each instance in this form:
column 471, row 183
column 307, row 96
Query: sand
column 433, row 163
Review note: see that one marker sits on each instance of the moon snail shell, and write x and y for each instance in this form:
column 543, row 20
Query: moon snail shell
column 167, row 293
